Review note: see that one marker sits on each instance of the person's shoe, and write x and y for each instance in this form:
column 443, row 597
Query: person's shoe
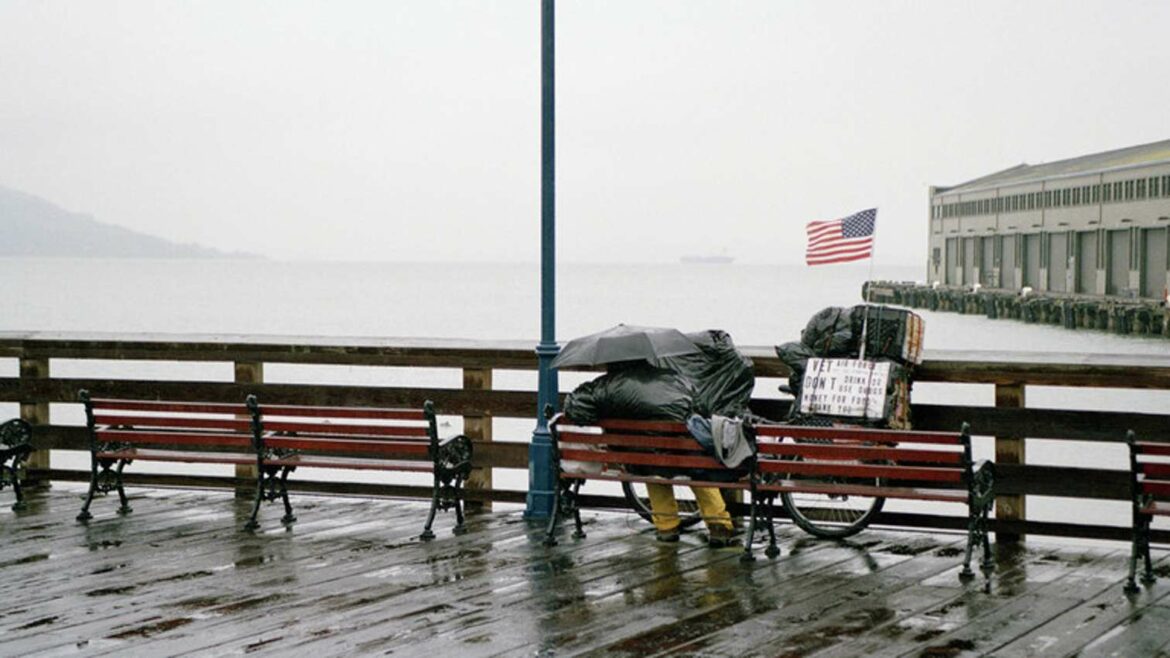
column 670, row 536
column 720, row 536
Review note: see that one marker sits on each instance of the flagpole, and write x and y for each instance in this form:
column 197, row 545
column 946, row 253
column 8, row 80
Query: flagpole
column 868, row 289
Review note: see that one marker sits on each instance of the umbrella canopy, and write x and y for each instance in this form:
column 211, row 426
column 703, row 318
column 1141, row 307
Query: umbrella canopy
column 624, row 343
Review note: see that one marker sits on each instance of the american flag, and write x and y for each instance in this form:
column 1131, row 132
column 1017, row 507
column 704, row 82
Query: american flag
column 841, row 240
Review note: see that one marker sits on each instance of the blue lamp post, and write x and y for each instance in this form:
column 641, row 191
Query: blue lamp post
column 541, row 476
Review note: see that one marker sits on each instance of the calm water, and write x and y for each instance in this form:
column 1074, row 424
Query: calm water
column 758, row 305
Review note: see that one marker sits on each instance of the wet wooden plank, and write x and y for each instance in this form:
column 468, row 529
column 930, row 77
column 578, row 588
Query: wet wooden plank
column 1094, row 619
column 178, row 576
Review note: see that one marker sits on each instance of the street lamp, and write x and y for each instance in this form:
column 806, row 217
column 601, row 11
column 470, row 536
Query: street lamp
column 541, row 474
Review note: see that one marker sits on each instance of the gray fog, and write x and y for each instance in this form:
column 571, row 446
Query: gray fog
column 409, row 130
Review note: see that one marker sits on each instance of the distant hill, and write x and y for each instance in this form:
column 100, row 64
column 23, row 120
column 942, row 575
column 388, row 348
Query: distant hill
column 31, row 226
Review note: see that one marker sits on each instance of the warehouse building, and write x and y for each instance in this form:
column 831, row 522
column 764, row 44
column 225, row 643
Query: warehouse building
column 1095, row 225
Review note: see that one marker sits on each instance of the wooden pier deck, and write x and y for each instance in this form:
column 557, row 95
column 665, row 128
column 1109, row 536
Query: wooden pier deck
column 179, row 576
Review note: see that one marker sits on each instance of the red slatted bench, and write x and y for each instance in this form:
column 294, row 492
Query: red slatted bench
column 660, row 452
column 839, row 463
column 834, row 463
column 1149, row 468
column 276, row 440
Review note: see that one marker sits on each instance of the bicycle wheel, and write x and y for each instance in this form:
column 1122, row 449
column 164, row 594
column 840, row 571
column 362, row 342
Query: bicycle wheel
column 688, row 509
column 831, row 516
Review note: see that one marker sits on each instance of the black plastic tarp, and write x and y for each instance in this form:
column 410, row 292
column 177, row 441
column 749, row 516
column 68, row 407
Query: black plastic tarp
column 722, row 376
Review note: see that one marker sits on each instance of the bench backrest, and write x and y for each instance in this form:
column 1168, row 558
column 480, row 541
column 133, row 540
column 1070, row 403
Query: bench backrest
column 1150, row 471
column 913, row 458
column 616, row 446
column 349, row 431
column 173, row 425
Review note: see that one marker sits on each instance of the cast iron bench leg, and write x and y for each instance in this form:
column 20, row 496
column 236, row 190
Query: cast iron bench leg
column 427, row 533
column 460, row 528
column 93, row 480
column 289, row 518
column 1131, row 586
column 580, row 533
column 550, row 536
column 773, row 549
column 253, row 523
column 124, row 507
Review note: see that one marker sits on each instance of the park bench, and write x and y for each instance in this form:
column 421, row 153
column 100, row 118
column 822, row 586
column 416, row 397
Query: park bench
column 15, row 447
column 1149, row 468
column 275, row 439
column 834, row 464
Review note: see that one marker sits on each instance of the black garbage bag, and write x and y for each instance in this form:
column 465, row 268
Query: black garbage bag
column 636, row 391
column 722, row 376
column 795, row 356
column 830, row 333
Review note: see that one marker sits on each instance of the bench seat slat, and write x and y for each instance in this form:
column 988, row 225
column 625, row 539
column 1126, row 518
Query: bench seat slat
column 1149, row 448
column 687, row 444
column 859, row 452
column 642, row 459
column 841, row 469
column 346, row 428
column 369, row 413
column 829, row 488
column 184, row 456
column 171, row 407
column 652, row 479
column 321, row 461
column 176, row 438
column 1156, row 508
column 859, row 434
column 243, row 425
column 348, row 445
column 1154, row 487
column 656, row 426
column 1154, row 469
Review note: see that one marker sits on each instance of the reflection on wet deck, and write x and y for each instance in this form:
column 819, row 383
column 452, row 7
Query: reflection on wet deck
column 178, row 576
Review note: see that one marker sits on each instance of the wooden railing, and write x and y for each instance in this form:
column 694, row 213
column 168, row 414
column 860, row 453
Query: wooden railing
column 1010, row 420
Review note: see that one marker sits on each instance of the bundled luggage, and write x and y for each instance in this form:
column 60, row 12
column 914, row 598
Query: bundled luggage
column 829, row 379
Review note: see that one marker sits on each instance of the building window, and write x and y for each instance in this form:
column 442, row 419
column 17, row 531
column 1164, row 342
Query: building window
column 1048, row 199
column 1154, row 187
column 1096, row 194
column 1031, row 201
column 1166, row 186
column 1141, row 188
column 1129, row 190
column 1117, row 191
column 1067, row 194
column 1076, row 197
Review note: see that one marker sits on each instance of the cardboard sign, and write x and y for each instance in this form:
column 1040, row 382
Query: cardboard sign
column 845, row 387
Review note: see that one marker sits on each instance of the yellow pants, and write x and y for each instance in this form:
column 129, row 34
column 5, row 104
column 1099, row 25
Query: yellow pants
column 665, row 507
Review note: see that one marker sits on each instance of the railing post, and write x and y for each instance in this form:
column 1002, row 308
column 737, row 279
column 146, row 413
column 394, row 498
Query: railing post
column 36, row 413
column 1010, row 450
column 248, row 372
column 479, row 430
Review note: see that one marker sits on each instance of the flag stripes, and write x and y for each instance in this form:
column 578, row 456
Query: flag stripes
column 841, row 240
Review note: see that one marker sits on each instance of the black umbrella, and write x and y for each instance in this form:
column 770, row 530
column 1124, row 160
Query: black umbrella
column 624, row 343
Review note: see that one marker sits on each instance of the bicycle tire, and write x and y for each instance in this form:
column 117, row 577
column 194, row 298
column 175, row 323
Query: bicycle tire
column 832, row 517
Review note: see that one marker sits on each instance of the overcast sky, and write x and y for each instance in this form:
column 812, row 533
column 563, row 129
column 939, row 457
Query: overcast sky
column 409, row 129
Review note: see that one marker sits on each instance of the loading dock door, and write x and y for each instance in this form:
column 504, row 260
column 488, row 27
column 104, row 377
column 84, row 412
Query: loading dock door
column 988, row 268
column 1087, row 262
column 1153, row 262
column 1118, row 261
column 1007, row 270
column 968, row 261
column 1057, row 261
column 952, row 261
column 1032, row 260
